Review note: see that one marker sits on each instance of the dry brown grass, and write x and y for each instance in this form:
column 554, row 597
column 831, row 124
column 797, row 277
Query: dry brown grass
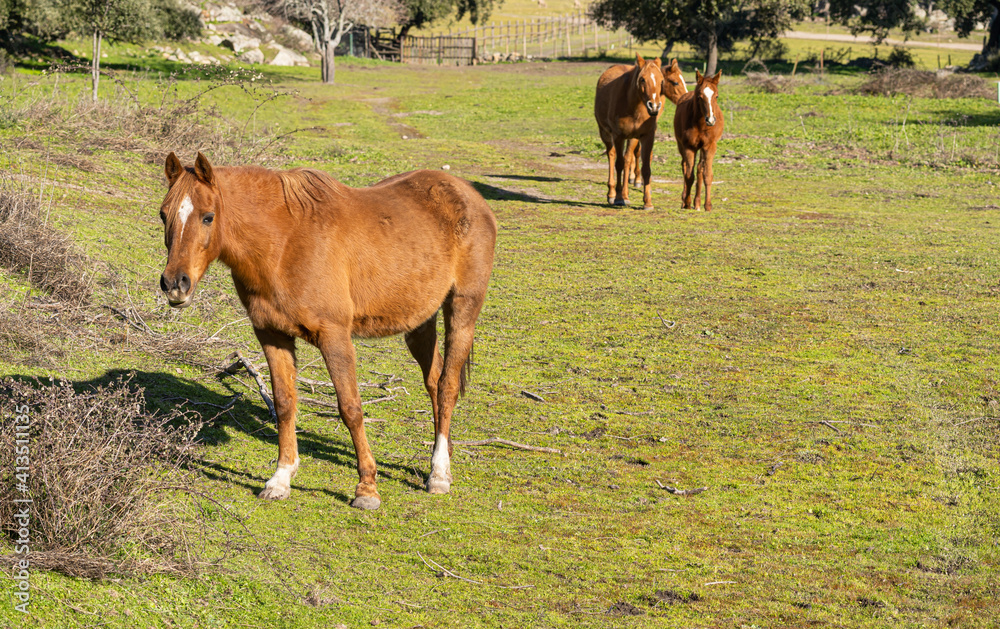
column 102, row 475
column 770, row 83
column 926, row 84
column 124, row 121
column 29, row 245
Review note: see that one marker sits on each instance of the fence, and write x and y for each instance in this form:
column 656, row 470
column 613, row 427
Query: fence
column 563, row 36
column 458, row 51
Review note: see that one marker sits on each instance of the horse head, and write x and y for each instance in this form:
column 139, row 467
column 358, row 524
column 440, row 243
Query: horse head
column 649, row 82
column 190, row 227
column 673, row 82
column 706, row 92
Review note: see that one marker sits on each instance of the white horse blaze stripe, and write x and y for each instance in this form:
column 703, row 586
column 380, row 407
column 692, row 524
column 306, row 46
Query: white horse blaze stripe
column 184, row 211
column 708, row 100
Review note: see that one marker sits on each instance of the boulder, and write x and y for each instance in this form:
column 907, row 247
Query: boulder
column 298, row 38
column 254, row 55
column 286, row 57
column 224, row 13
column 238, row 43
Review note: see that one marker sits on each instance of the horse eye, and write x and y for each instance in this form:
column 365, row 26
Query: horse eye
column 208, row 218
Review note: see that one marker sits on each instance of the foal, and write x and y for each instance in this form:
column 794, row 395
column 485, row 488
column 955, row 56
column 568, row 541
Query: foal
column 673, row 88
column 626, row 106
column 698, row 126
column 314, row 259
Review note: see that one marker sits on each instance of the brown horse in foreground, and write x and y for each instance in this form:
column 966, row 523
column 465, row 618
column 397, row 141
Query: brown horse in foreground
column 314, row 259
column 673, row 88
column 698, row 126
column 626, row 105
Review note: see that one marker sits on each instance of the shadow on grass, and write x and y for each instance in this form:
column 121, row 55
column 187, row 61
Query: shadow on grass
column 247, row 414
column 495, row 193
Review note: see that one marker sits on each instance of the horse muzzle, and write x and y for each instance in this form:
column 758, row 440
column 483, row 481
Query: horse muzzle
column 710, row 121
column 178, row 289
column 652, row 108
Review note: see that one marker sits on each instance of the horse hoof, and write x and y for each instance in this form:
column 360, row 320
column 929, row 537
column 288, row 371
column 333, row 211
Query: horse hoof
column 438, row 486
column 647, row 207
column 621, row 202
column 275, row 493
column 366, row 503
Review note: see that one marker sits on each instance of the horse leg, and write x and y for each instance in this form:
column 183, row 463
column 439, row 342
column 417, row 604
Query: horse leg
column 647, row 155
column 621, row 190
column 707, row 160
column 422, row 343
column 700, row 178
column 687, row 165
column 338, row 352
column 460, row 313
column 638, row 171
column 609, row 145
column 279, row 349
column 632, row 161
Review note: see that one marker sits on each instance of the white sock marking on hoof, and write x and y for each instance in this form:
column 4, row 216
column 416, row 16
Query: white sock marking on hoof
column 279, row 486
column 440, row 478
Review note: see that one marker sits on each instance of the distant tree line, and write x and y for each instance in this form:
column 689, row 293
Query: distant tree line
column 715, row 26
column 98, row 20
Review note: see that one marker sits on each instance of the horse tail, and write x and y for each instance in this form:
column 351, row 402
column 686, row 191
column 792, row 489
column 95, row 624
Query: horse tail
column 466, row 373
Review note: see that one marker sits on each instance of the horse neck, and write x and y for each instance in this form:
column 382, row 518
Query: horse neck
column 251, row 223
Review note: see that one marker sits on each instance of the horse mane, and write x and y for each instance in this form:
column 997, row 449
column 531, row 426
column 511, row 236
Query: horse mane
column 306, row 189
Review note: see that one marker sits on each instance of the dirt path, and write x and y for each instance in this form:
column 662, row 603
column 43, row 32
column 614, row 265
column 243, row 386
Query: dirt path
column 851, row 39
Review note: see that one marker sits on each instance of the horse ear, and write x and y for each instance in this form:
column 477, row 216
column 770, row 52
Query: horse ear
column 715, row 79
column 697, row 75
column 673, row 63
column 657, row 62
column 172, row 169
column 203, row 169
column 639, row 61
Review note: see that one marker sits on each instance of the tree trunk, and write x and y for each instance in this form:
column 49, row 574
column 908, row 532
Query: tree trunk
column 993, row 43
column 713, row 54
column 328, row 69
column 95, row 64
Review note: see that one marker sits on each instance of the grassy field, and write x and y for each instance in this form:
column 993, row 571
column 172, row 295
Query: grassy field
column 819, row 352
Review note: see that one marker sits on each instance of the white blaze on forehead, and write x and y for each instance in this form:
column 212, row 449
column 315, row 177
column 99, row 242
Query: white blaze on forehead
column 707, row 91
column 184, row 211
column 653, row 77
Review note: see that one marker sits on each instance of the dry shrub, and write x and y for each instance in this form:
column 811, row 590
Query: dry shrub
column 926, row 84
column 770, row 83
column 101, row 472
column 28, row 245
column 124, row 121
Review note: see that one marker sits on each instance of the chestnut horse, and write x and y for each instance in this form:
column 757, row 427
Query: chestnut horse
column 314, row 259
column 626, row 105
column 673, row 88
column 698, row 126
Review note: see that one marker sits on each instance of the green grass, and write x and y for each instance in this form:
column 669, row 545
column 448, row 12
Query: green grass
column 847, row 275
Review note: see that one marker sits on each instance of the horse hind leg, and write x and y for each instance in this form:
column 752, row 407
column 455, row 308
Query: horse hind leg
column 699, row 179
column 609, row 146
column 423, row 345
column 707, row 176
column 460, row 313
column 632, row 163
column 687, row 166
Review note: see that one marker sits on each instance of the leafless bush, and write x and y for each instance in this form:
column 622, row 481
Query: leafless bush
column 30, row 246
column 124, row 121
column 770, row 83
column 925, row 84
column 100, row 478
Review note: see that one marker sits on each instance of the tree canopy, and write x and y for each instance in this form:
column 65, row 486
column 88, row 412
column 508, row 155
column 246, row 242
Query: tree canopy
column 711, row 27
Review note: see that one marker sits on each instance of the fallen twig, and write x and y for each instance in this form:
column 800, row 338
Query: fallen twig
column 668, row 326
column 451, row 574
column 830, row 426
column 532, row 396
column 243, row 360
column 506, row 442
column 682, row 492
